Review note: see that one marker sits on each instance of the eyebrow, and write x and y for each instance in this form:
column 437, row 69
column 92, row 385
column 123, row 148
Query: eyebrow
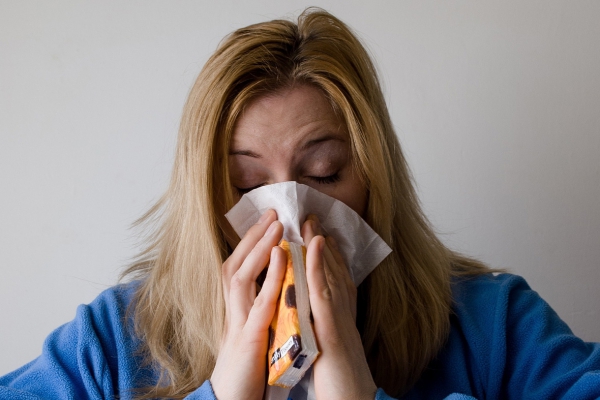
column 304, row 147
column 244, row 153
column 325, row 138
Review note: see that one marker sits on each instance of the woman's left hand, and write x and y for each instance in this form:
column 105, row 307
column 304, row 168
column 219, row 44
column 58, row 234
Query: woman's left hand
column 341, row 370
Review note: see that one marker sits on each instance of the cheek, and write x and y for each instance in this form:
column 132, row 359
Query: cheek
column 244, row 173
column 353, row 193
column 356, row 199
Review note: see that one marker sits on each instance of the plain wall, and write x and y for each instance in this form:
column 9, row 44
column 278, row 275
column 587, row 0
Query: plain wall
column 496, row 104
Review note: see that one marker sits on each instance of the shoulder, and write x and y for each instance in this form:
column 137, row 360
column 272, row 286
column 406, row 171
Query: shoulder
column 502, row 308
column 495, row 296
column 108, row 309
column 114, row 300
column 107, row 317
column 516, row 342
column 105, row 323
column 505, row 300
column 91, row 356
column 486, row 287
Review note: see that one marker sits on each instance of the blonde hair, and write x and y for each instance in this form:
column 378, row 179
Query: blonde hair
column 404, row 305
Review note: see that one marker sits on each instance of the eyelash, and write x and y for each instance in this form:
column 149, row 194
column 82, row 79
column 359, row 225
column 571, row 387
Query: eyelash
column 243, row 191
column 322, row 180
column 326, row 180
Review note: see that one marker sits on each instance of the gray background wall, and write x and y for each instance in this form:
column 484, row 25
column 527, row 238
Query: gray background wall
column 496, row 104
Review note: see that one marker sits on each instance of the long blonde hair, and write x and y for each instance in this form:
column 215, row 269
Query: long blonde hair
column 404, row 305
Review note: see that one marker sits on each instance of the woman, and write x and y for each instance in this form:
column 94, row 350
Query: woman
column 280, row 101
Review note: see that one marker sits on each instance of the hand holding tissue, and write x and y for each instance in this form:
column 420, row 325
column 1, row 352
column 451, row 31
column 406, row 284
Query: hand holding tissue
column 292, row 345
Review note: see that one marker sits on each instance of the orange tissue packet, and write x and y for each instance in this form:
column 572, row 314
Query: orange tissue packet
column 292, row 345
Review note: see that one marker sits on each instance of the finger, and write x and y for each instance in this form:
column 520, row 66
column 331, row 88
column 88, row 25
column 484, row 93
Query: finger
column 248, row 242
column 335, row 260
column 316, row 224
column 310, row 229
column 341, row 274
column 243, row 282
column 250, row 239
column 335, row 250
column 331, row 267
column 264, row 306
column 318, row 286
column 337, row 282
column 259, row 256
column 307, row 232
column 330, row 292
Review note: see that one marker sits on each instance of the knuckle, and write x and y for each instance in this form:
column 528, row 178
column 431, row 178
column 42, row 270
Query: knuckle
column 259, row 302
column 229, row 268
column 253, row 232
column 333, row 281
column 255, row 252
column 226, row 267
column 264, row 246
column 326, row 294
column 334, row 341
column 237, row 282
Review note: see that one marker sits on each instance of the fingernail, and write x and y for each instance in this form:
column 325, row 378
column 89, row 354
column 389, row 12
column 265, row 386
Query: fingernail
column 332, row 242
column 315, row 222
column 264, row 217
column 321, row 245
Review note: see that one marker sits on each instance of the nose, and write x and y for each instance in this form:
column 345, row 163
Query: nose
column 283, row 176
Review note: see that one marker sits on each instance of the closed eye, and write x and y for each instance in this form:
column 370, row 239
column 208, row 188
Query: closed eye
column 322, row 180
column 325, row 180
column 243, row 191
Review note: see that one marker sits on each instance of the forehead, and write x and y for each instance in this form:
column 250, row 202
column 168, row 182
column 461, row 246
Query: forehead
column 286, row 117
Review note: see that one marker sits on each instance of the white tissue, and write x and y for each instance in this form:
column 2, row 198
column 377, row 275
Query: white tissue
column 361, row 248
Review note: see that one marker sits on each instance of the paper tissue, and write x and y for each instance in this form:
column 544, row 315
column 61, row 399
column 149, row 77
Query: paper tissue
column 361, row 248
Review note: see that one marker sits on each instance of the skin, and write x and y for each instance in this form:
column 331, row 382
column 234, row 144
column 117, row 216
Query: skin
column 291, row 135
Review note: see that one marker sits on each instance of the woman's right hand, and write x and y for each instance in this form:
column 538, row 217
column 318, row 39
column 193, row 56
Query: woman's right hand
column 240, row 370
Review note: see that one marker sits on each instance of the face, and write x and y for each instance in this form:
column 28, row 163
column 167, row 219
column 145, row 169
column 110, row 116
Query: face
column 294, row 135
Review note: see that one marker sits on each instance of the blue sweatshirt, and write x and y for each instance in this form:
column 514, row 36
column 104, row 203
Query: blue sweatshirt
column 505, row 343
